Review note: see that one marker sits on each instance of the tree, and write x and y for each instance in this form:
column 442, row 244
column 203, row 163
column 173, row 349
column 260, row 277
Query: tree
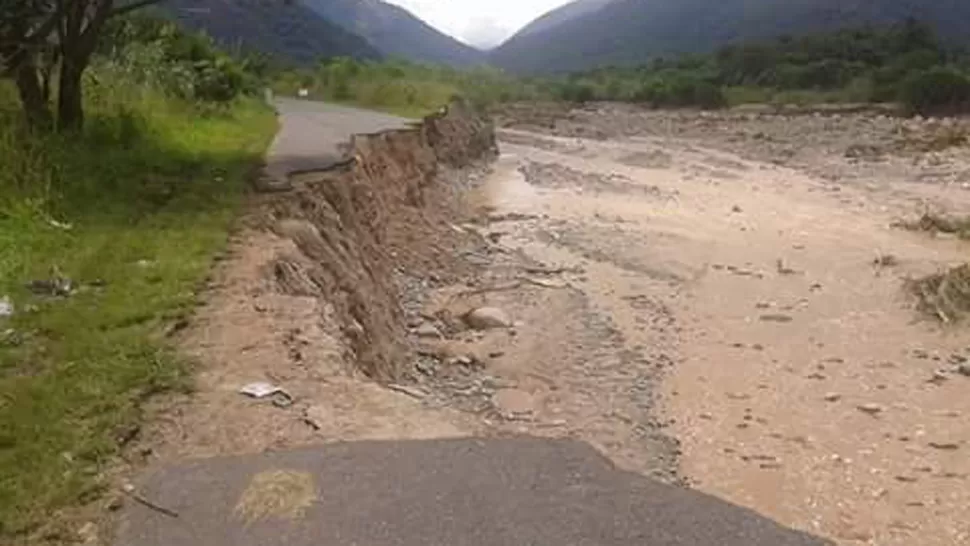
column 77, row 37
column 38, row 35
column 937, row 90
column 25, row 28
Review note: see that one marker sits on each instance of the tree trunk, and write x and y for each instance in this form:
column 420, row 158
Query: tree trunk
column 70, row 109
column 32, row 98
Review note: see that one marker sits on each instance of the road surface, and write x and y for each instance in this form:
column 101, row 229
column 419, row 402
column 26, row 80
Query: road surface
column 311, row 134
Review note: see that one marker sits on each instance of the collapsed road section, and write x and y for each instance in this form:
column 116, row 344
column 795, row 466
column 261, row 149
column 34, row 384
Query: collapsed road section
column 381, row 338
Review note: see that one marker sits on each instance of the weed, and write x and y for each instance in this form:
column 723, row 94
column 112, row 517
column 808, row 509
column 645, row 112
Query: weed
column 131, row 211
column 932, row 222
column 944, row 295
column 937, row 139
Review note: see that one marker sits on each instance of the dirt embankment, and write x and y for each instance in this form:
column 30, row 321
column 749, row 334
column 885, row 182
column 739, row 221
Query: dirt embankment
column 355, row 224
column 310, row 294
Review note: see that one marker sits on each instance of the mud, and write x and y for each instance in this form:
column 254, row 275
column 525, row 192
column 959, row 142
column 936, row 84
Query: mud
column 800, row 379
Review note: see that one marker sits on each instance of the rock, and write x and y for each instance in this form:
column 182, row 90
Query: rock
column 413, row 392
column 6, row 307
column 964, row 370
column 88, row 533
column 427, row 330
column 116, row 503
column 832, row 397
column 514, row 403
column 776, row 318
column 736, row 209
column 870, row 408
column 485, row 318
column 945, row 446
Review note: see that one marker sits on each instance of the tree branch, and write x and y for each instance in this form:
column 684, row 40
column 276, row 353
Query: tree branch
column 128, row 8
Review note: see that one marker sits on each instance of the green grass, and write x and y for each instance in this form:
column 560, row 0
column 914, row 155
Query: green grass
column 404, row 88
column 150, row 191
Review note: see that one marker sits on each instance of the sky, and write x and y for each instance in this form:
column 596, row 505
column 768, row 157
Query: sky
column 481, row 23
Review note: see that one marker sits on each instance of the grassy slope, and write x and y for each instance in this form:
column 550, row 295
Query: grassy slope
column 150, row 192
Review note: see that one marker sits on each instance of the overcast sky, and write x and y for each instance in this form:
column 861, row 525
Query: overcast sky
column 482, row 23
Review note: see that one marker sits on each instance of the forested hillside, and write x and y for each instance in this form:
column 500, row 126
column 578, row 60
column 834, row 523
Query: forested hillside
column 288, row 31
column 625, row 32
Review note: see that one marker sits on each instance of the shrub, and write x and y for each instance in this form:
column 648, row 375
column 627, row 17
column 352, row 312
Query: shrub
column 575, row 92
column 678, row 91
column 937, row 90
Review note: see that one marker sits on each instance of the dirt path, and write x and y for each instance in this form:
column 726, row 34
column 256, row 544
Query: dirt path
column 796, row 378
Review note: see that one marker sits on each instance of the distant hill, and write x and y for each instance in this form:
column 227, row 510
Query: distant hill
column 560, row 15
column 591, row 33
column 394, row 31
column 289, row 31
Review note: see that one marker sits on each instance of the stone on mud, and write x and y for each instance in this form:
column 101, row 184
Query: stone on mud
column 486, row 318
column 428, row 330
column 514, row 403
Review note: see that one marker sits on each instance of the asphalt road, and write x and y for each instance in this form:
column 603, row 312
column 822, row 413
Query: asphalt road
column 465, row 492
column 311, row 134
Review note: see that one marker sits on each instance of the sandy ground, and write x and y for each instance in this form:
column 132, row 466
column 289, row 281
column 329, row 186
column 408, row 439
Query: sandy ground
column 734, row 257
column 697, row 296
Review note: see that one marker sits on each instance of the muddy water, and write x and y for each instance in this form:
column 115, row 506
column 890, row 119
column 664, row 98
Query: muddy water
column 785, row 370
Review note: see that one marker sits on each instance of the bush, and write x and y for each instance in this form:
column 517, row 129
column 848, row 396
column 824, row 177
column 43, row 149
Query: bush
column 679, row 91
column 157, row 53
column 575, row 92
column 937, row 90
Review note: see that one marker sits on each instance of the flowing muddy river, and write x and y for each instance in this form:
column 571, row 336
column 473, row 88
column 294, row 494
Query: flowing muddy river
column 713, row 317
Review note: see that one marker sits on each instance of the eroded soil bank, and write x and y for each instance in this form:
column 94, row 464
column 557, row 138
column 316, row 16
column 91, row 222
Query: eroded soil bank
column 704, row 298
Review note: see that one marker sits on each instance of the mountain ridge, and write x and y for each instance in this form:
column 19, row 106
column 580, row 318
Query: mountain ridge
column 624, row 32
column 394, row 31
column 291, row 32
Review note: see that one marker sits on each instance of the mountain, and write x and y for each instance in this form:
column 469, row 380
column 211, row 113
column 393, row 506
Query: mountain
column 394, row 31
column 287, row 30
column 590, row 33
column 563, row 13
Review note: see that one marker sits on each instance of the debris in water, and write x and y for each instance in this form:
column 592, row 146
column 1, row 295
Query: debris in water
column 6, row 307
column 945, row 446
column 870, row 408
column 783, row 269
column 773, row 317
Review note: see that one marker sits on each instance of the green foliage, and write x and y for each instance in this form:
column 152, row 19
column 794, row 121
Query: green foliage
column 158, row 53
column 403, row 87
column 678, row 90
column 938, row 89
column 853, row 65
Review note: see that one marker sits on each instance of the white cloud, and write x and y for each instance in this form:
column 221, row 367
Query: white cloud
column 483, row 23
